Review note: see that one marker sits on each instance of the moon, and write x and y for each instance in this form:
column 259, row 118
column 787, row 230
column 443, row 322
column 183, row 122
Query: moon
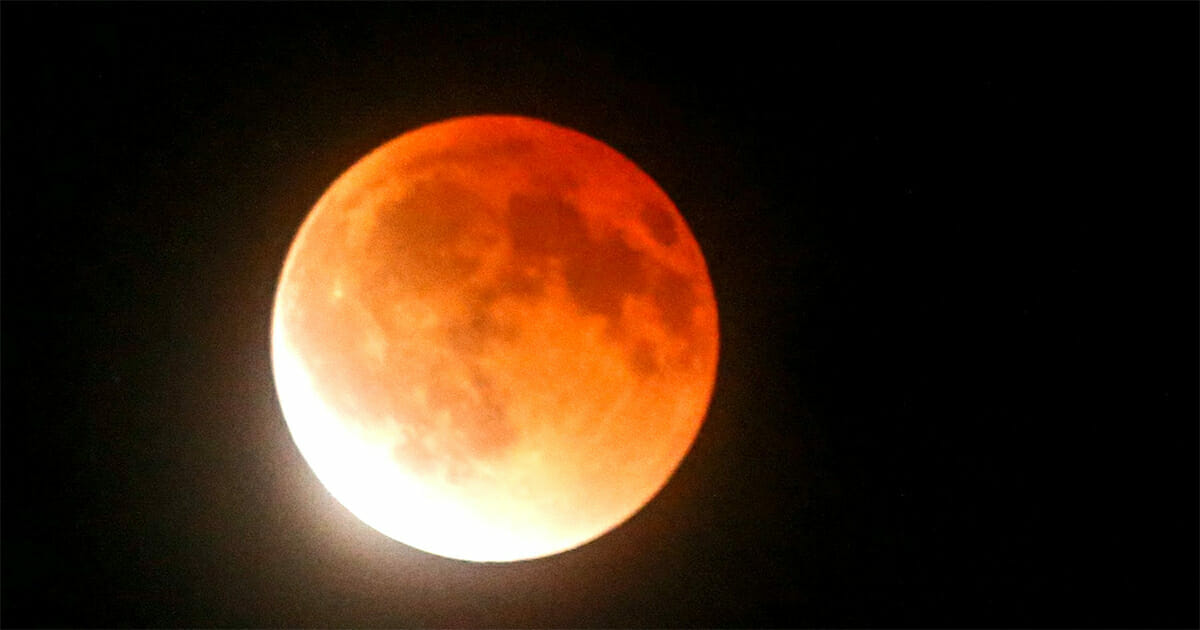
column 494, row 338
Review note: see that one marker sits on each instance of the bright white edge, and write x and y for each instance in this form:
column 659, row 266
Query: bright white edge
column 365, row 479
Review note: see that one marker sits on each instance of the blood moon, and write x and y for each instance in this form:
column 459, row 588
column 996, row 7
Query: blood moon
column 494, row 338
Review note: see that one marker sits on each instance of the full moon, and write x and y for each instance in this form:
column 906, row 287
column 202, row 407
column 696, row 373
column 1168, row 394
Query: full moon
column 494, row 338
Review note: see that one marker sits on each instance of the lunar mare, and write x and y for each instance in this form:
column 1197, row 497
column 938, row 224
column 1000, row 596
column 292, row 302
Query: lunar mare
column 494, row 338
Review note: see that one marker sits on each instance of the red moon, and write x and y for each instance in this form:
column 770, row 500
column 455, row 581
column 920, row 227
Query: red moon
column 494, row 338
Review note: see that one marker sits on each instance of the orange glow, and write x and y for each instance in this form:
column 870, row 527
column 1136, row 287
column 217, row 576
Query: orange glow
column 494, row 338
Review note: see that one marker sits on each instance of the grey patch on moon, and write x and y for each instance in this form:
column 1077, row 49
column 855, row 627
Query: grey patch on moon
column 547, row 229
column 425, row 227
column 660, row 222
column 642, row 359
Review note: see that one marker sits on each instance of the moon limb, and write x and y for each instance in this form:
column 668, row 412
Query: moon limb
column 506, row 325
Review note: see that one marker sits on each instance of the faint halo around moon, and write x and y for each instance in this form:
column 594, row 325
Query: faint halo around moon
column 494, row 338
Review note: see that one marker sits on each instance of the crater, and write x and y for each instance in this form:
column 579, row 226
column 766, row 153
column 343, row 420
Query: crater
column 676, row 298
column 642, row 359
column 660, row 222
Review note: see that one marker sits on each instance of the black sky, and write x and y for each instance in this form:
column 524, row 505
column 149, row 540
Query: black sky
column 954, row 248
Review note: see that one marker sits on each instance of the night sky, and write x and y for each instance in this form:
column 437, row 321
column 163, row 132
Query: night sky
column 954, row 249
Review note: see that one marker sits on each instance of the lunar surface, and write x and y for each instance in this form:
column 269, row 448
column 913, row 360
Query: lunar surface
column 494, row 338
